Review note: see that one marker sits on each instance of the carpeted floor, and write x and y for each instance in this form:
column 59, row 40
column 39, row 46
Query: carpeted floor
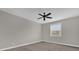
column 44, row 46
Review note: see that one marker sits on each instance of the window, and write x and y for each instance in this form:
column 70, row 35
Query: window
column 55, row 29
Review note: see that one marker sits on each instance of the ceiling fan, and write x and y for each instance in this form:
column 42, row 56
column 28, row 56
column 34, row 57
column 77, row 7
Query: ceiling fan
column 44, row 16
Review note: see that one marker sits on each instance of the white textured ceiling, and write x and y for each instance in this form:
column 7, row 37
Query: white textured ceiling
column 32, row 13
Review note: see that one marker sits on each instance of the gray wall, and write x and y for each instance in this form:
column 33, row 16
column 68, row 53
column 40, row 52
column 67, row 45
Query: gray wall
column 16, row 31
column 70, row 32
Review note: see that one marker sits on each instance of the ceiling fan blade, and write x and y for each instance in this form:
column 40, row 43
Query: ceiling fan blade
column 40, row 18
column 40, row 14
column 48, row 14
column 49, row 17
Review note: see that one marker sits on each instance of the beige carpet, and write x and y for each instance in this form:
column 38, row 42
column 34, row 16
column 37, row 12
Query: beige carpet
column 44, row 46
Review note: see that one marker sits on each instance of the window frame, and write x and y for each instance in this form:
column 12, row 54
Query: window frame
column 52, row 31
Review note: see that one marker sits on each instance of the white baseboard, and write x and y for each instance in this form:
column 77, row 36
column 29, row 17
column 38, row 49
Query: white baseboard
column 63, row 44
column 20, row 45
column 37, row 42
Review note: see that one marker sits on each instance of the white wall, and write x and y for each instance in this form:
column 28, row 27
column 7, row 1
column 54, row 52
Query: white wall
column 70, row 32
column 16, row 31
